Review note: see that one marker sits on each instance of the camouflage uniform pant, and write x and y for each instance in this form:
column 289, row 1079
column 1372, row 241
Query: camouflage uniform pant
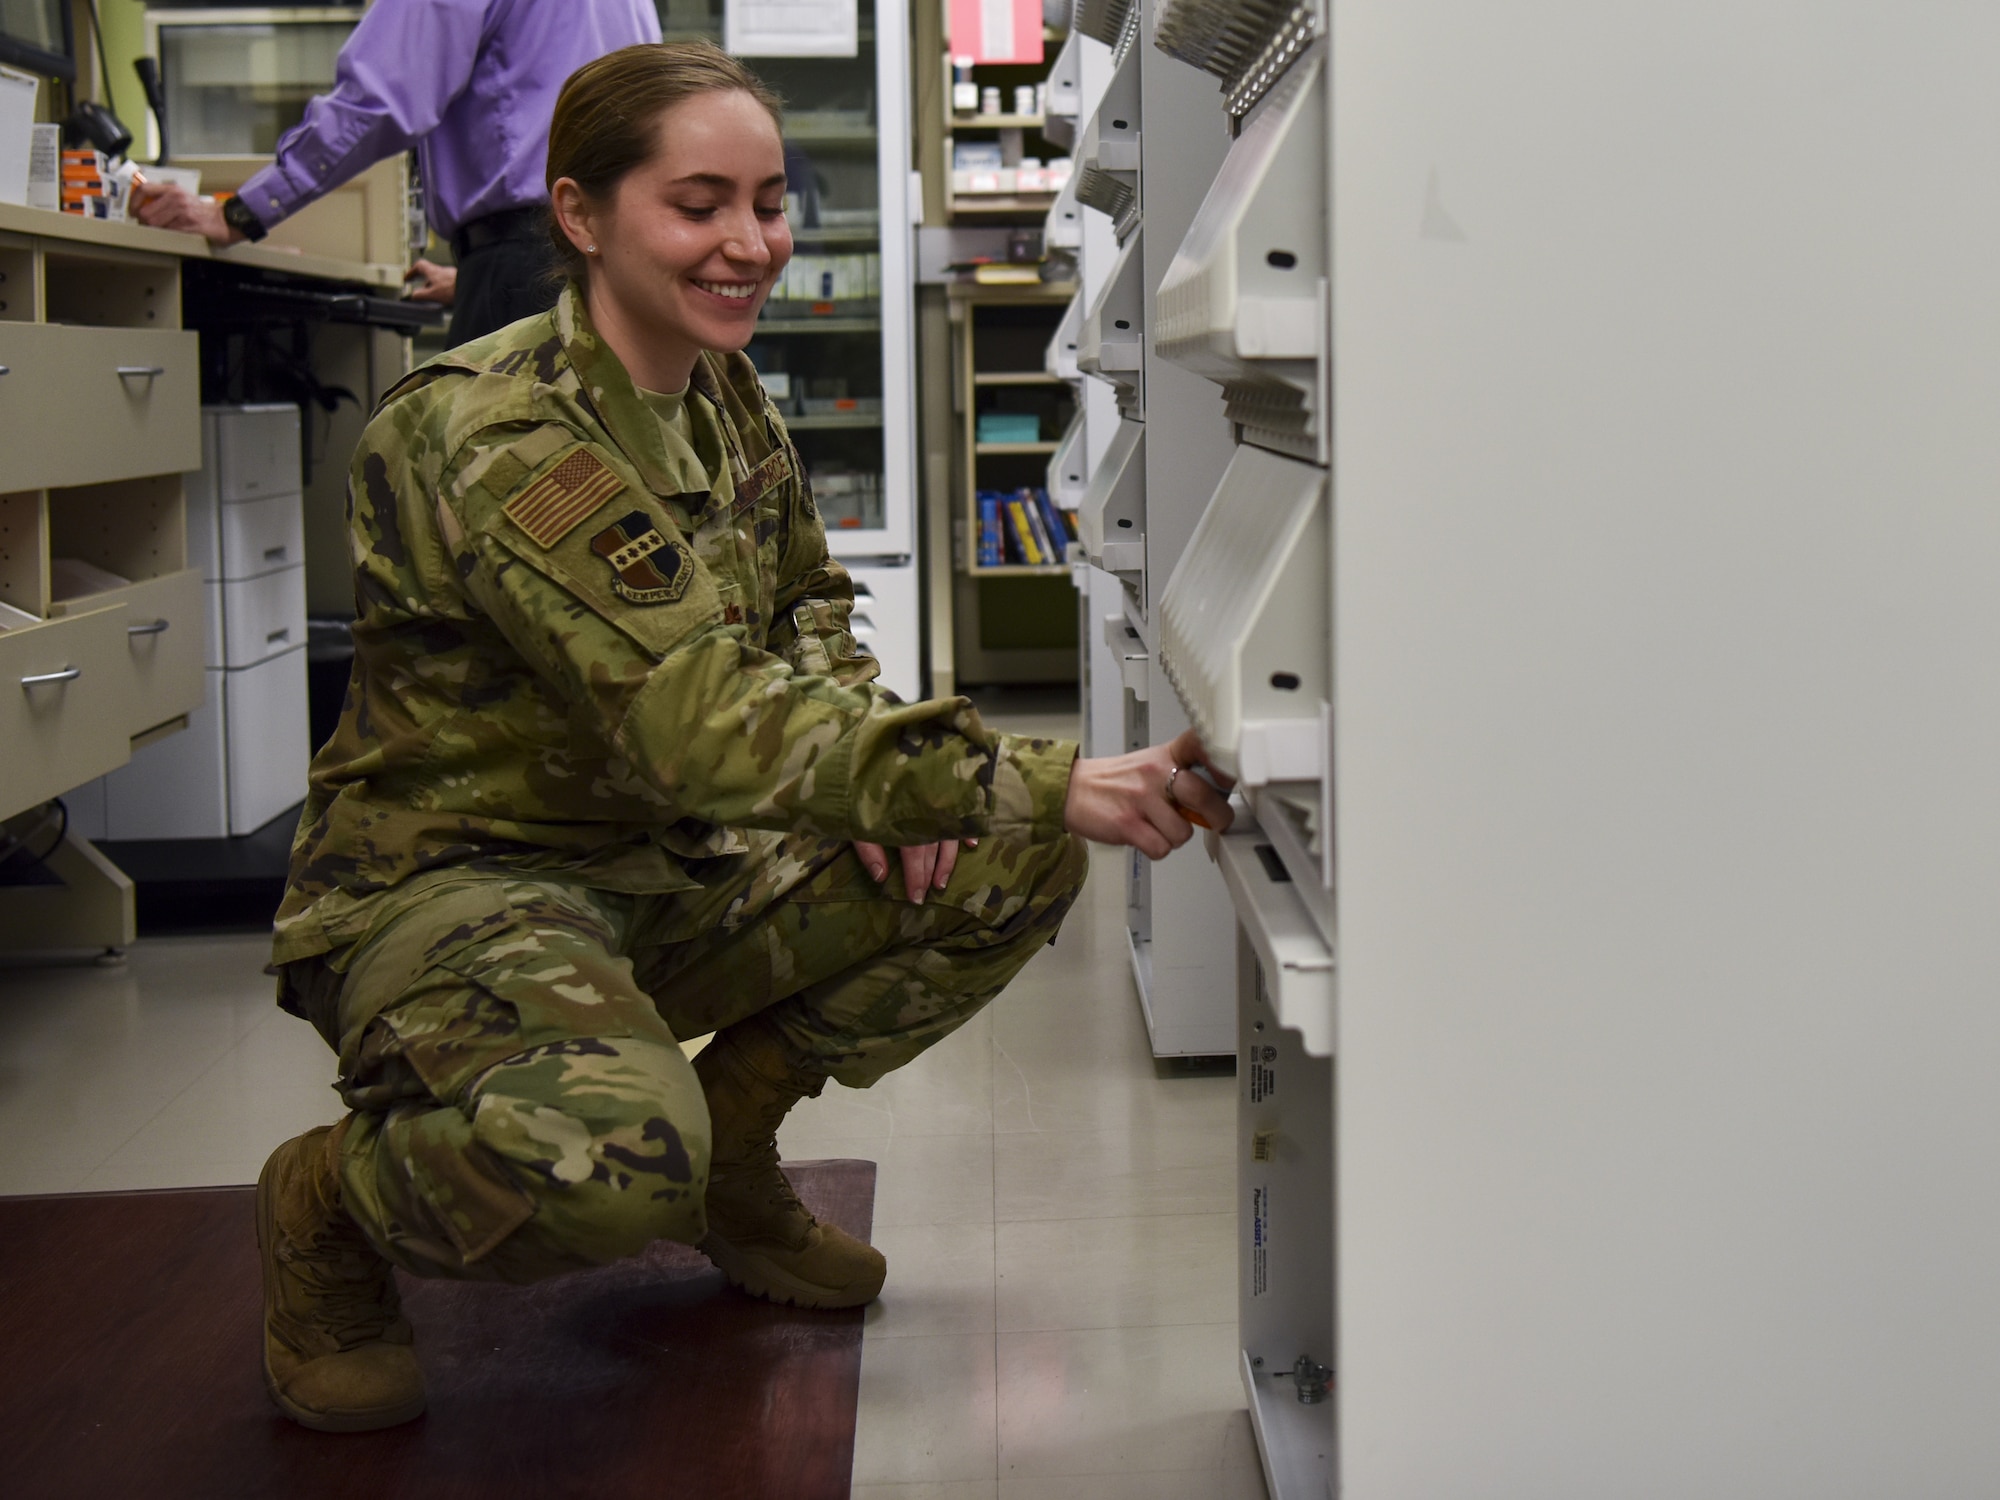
column 509, row 1043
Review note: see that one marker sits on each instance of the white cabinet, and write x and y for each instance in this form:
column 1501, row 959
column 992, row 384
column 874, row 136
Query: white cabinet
column 1625, row 441
column 243, row 758
column 885, row 600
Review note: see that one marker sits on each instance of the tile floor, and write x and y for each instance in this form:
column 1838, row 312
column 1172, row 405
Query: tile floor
column 1056, row 1208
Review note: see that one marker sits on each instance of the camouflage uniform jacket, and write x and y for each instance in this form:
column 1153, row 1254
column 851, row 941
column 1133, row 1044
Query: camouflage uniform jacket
column 581, row 646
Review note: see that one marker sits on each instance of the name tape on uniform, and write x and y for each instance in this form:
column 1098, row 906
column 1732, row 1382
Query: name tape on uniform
column 557, row 503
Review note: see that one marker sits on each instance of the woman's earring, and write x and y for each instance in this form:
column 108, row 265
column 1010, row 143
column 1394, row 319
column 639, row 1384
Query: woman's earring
column 590, row 249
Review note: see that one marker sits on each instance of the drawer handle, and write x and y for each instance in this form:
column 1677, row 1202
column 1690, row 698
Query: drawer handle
column 67, row 674
column 140, row 372
column 273, row 554
column 278, row 635
column 155, row 628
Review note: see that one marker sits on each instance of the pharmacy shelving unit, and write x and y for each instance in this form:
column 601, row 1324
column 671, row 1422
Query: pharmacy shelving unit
column 1157, row 441
column 836, row 343
column 1245, row 640
column 1077, row 81
column 1598, row 610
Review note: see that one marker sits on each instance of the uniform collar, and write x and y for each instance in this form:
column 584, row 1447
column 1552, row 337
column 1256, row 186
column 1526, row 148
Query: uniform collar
column 612, row 395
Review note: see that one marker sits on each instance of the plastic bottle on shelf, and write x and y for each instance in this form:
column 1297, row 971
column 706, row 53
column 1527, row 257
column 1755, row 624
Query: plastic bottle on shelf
column 964, row 92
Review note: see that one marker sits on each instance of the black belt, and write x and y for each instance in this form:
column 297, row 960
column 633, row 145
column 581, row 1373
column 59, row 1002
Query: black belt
column 507, row 224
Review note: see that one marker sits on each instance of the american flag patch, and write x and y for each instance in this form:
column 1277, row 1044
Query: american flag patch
column 553, row 506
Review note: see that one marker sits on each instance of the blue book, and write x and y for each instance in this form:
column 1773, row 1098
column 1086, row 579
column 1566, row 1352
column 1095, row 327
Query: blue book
column 991, row 553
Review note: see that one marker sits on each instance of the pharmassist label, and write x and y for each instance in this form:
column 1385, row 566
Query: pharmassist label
column 1260, row 1241
column 1263, row 1073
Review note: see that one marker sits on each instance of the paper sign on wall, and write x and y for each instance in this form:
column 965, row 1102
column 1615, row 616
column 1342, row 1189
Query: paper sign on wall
column 17, row 117
column 790, row 28
column 997, row 31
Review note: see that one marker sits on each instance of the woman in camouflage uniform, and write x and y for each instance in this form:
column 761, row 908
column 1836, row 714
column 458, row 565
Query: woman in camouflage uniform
column 612, row 772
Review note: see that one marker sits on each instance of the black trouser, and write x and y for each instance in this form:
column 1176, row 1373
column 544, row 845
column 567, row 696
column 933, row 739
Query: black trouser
column 505, row 263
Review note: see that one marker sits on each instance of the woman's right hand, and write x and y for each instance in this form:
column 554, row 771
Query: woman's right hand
column 1122, row 799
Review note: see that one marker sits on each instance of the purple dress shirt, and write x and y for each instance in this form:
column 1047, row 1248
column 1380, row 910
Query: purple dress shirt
column 472, row 84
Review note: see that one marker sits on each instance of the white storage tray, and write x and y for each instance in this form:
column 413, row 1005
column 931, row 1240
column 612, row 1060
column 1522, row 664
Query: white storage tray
column 1246, row 620
column 1244, row 301
column 1298, row 964
column 1107, row 150
column 1111, row 521
column 1111, row 345
column 1060, row 357
column 1069, row 467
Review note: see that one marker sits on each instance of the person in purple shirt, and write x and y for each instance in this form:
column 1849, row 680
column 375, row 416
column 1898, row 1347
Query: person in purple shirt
column 471, row 84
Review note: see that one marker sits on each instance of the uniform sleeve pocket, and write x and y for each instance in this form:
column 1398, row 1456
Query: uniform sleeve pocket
column 606, row 545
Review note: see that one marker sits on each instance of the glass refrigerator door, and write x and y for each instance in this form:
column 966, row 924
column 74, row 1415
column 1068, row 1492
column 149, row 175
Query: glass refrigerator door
column 238, row 80
column 835, row 342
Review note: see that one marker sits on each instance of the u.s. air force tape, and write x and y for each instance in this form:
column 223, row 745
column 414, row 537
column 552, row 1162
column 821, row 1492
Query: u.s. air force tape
column 554, row 505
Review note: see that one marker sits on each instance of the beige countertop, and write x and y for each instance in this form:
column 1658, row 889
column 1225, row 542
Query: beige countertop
column 48, row 225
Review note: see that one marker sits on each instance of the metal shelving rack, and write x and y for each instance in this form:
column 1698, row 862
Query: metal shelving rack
column 1156, row 443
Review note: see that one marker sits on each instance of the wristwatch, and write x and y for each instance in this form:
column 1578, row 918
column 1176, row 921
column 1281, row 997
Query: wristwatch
column 236, row 214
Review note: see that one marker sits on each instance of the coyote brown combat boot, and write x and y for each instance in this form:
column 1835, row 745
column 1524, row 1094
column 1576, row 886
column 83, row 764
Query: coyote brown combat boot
column 758, row 1232
column 337, row 1354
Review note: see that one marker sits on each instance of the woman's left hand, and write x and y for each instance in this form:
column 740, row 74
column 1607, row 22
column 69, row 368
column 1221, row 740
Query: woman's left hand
column 433, row 283
column 926, row 867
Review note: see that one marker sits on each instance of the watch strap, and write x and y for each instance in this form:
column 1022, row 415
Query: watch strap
column 236, row 214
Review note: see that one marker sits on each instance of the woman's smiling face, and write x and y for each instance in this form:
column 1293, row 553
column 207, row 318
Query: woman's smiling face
column 692, row 240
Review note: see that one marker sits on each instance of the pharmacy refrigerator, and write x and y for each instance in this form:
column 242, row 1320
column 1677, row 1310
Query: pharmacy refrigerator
column 836, row 343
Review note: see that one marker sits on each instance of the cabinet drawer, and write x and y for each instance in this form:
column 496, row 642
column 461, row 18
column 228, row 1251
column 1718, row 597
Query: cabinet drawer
column 74, row 418
column 262, row 536
column 176, row 787
column 268, row 739
column 263, row 616
column 256, row 451
column 63, row 732
column 163, row 655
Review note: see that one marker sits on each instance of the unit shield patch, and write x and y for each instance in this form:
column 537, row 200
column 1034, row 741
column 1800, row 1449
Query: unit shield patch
column 646, row 567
